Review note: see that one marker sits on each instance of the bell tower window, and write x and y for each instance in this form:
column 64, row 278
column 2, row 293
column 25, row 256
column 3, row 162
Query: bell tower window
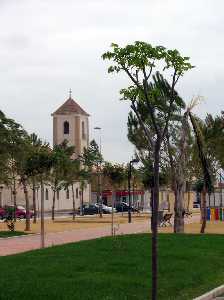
column 66, row 127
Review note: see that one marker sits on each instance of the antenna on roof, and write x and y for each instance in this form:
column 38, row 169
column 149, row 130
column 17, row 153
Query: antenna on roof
column 70, row 94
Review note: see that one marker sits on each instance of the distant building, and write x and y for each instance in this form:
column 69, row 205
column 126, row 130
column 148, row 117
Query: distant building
column 71, row 123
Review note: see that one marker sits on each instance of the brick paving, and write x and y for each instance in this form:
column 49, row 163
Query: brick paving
column 20, row 244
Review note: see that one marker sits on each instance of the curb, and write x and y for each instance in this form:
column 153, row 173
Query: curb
column 212, row 294
column 18, row 236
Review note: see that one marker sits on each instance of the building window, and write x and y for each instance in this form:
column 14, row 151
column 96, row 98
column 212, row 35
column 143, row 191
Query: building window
column 77, row 193
column 46, row 195
column 67, row 194
column 66, row 127
column 58, row 193
column 83, row 130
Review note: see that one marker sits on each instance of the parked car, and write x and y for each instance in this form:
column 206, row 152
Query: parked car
column 21, row 207
column 196, row 205
column 2, row 213
column 123, row 206
column 90, row 209
column 20, row 212
column 106, row 209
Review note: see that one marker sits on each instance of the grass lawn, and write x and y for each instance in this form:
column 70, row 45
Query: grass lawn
column 4, row 234
column 118, row 269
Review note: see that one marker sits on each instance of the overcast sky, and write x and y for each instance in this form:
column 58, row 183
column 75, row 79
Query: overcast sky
column 50, row 46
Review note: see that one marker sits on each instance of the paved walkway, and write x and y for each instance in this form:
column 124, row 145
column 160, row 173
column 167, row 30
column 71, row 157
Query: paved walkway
column 20, row 244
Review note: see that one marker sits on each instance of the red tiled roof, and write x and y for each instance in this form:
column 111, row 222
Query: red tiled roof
column 70, row 106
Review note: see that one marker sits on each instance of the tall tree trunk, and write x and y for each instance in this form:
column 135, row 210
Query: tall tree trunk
column 151, row 199
column 27, row 228
column 73, row 202
column 151, row 202
column 154, row 221
column 14, row 198
column 34, row 204
column 188, row 198
column 205, row 167
column 168, row 201
column 179, row 209
column 53, row 206
column 203, row 210
column 112, row 216
column 42, row 233
column 82, row 199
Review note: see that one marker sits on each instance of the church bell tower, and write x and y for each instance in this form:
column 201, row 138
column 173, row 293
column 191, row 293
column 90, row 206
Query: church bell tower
column 71, row 123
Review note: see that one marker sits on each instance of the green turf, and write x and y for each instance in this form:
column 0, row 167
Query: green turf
column 4, row 234
column 118, row 269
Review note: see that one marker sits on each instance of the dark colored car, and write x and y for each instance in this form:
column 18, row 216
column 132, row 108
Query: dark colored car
column 196, row 205
column 123, row 206
column 90, row 209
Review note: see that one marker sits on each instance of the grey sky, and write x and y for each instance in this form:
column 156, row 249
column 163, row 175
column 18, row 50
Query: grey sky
column 49, row 46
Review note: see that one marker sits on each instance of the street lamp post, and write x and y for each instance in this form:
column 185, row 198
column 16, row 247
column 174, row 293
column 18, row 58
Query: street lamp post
column 99, row 174
column 129, row 187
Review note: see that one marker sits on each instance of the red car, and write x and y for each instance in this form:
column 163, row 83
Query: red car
column 2, row 213
column 20, row 212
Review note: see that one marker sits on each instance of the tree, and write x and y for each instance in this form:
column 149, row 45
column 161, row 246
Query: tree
column 213, row 133
column 172, row 169
column 139, row 61
column 34, row 180
column 61, row 159
column 91, row 160
column 72, row 175
column 116, row 173
column 39, row 163
column 207, row 180
column 178, row 148
column 11, row 148
column 84, row 178
column 21, row 171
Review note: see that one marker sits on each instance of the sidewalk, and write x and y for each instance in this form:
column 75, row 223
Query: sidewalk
column 20, row 244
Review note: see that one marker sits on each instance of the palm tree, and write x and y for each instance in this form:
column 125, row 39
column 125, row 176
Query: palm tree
column 205, row 167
